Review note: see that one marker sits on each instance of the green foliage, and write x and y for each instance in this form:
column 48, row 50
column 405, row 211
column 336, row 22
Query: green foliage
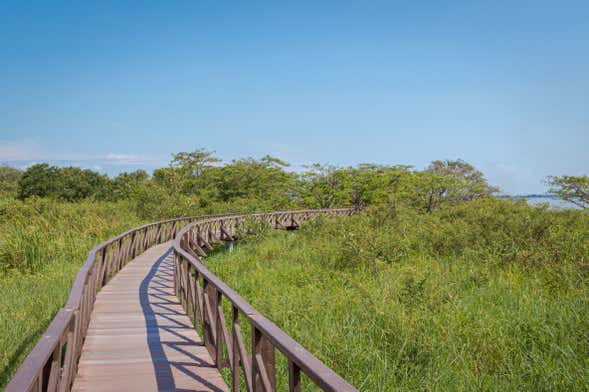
column 445, row 182
column 468, row 183
column 153, row 202
column 322, row 186
column 572, row 189
column 482, row 295
column 28, row 302
column 38, row 180
column 254, row 179
column 37, row 232
column 488, row 230
column 43, row 243
column 193, row 180
column 65, row 183
column 9, row 177
column 125, row 185
column 441, row 183
column 75, row 184
column 436, row 286
column 370, row 184
column 193, row 164
column 325, row 186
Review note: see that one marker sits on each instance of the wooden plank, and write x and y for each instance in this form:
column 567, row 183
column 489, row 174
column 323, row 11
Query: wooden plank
column 140, row 338
column 107, row 259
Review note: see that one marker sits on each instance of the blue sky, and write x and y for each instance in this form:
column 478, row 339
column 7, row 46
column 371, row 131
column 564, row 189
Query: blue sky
column 121, row 85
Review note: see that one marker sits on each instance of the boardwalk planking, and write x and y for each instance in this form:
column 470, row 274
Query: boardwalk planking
column 140, row 339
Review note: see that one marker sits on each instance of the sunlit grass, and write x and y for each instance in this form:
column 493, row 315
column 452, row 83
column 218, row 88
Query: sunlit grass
column 28, row 302
column 425, row 320
column 484, row 296
column 43, row 243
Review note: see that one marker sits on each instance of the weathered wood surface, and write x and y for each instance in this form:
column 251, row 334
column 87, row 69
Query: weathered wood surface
column 140, row 338
column 52, row 365
column 202, row 294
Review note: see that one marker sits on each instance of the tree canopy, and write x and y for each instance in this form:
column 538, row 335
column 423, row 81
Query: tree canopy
column 66, row 183
column 9, row 177
column 201, row 178
column 574, row 189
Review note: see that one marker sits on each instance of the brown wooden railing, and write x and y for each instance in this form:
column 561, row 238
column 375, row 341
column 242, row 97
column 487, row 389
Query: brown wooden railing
column 52, row 364
column 201, row 294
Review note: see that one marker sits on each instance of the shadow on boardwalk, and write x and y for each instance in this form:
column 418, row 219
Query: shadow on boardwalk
column 158, row 304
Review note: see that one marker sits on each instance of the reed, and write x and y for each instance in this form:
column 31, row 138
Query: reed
column 488, row 295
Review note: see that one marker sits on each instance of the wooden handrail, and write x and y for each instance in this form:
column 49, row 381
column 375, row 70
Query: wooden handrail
column 52, row 364
column 204, row 300
column 43, row 369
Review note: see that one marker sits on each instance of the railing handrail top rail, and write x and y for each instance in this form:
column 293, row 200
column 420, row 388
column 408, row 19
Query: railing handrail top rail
column 80, row 279
column 48, row 340
column 316, row 370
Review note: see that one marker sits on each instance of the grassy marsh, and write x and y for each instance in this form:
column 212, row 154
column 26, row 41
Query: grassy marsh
column 464, row 299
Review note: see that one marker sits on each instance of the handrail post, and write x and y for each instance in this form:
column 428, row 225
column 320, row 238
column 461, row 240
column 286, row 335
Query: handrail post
column 294, row 377
column 235, row 344
column 43, row 367
column 133, row 245
column 263, row 362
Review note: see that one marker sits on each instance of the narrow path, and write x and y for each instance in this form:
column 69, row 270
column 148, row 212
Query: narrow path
column 140, row 339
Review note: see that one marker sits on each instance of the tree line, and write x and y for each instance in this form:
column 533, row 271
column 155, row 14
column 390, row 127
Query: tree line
column 200, row 178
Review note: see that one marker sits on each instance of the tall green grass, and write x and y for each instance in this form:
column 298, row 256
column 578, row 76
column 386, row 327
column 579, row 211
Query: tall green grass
column 484, row 295
column 487, row 295
column 43, row 242
column 42, row 245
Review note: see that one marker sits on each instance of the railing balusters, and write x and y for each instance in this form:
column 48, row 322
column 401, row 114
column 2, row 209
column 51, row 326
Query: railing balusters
column 219, row 319
column 263, row 362
column 193, row 295
column 294, row 377
column 105, row 267
column 43, row 370
column 208, row 320
column 199, row 298
column 243, row 355
column 234, row 352
column 259, row 368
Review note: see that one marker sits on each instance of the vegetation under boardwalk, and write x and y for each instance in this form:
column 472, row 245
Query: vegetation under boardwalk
column 140, row 339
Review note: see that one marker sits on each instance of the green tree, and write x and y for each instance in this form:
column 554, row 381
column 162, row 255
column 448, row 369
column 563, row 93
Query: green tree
column 66, row 183
column 369, row 184
column 186, row 171
column 427, row 191
column 169, row 178
column 574, row 189
column 323, row 186
column 263, row 179
column 443, row 182
column 9, row 177
column 38, row 180
column 125, row 185
column 74, row 183
column 194, row 163
column 153, row 202
column 469, row 182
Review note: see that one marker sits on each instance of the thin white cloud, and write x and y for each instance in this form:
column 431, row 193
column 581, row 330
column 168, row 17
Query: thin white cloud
column 30, row 152
column 131, row 159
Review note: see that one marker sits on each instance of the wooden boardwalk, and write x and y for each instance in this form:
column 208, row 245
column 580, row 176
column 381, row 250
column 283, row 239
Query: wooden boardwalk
column 123, row 327
column 139, row 337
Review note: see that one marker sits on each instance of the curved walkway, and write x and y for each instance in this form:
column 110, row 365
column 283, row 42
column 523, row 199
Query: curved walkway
column 140, row 338
column 123, row 327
